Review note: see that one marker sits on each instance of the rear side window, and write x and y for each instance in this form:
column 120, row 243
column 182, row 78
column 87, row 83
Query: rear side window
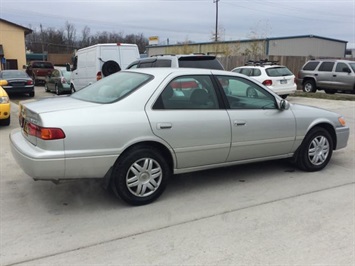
column 163, row 63
column 326, row 66
column 278, row 72
column 311, row 65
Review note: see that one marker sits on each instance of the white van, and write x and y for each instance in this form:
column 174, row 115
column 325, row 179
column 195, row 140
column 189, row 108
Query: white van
column 97, row 61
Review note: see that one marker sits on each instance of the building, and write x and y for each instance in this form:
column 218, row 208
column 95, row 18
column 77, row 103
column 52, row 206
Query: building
column 305, row 45
column 12, row 45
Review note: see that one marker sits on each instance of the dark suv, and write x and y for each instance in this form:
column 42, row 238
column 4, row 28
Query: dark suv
column 329, row 75
column 39, row 70
column 187, row 61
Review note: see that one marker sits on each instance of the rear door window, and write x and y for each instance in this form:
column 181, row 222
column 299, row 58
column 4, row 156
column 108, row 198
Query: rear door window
column 326, row 66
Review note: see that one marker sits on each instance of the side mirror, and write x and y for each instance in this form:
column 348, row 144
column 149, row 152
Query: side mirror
column 67, row 65
column 347, row 70
column 284, row 105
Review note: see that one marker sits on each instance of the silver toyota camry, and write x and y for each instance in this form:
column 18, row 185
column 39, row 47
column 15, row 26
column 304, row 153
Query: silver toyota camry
column 136, row 128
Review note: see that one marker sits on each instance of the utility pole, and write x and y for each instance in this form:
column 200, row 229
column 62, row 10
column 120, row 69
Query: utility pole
column 216, row 31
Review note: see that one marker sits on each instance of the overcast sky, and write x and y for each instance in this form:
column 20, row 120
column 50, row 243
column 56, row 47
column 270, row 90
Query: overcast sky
column 194, row 20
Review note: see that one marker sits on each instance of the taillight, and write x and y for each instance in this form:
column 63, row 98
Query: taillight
column 44, row 133
column 29, row 82
column 99, row 75
column 267, row 82
column 63, row 80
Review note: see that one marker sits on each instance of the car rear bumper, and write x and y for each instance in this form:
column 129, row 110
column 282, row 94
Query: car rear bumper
column 36, row 162
column 4, row 110
column 26, row 89
column 55, row 165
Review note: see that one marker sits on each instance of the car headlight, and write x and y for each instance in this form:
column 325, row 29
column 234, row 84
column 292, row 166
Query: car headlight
column 4, row 99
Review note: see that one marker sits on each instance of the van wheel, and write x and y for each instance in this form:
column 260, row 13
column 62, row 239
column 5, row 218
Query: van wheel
column 110, row 67
column 309, row 86
column 140, row 176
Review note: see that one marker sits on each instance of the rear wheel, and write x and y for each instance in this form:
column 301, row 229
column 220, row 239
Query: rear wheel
column 31, row 94
column 57, row 89
column 315, row 150
column 309, row 86
column 140, row 176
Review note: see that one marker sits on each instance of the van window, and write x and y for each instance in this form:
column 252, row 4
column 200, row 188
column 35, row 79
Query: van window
column 326, row 66
column 311, row 65
column 340, row 67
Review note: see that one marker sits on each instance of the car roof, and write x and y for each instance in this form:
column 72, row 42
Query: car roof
column 182, row 71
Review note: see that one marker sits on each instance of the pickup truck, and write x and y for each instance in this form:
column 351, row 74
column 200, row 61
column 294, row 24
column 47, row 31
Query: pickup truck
column 39, row 70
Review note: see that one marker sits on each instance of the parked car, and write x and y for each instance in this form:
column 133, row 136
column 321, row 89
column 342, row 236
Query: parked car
column 39, row 70
column 277, row 77
column 58, row 81
column 181, row 60
column 329, row 75
column 17, row 82
column 135, row 128
column 5, row 110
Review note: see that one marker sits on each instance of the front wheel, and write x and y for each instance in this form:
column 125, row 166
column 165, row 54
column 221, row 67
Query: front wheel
column 140, row 176
column 315, row 151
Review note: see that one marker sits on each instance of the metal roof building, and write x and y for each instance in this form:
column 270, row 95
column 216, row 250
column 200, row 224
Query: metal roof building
column 304, row 45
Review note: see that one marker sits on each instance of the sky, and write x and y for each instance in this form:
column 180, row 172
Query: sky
column 194, row 20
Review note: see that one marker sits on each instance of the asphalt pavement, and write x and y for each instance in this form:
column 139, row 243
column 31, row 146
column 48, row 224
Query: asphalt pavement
column 256, row 214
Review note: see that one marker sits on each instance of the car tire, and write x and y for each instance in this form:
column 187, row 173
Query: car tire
column 330, row 91
column 315, row 150
column 46, row 88
column 284, row 96
column 309, row 86
column 31, row 94
column 5, row 122
column 72, row 89
column 56, row 89
column 140, row 176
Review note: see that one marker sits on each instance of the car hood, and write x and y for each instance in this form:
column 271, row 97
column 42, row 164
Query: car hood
column 56, row 104
column 312, row 111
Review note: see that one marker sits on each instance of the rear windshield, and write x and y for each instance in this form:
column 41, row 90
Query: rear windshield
column 200, row 62
column 42, row 65
column 278, row 71
column 14, row 74
column 112, row 88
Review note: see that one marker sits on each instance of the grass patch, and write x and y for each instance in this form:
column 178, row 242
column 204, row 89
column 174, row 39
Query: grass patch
column 322, row 95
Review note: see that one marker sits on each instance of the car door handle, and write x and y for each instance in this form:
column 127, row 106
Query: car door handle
column 334, row 76
column 164, row 125
column 238, row 123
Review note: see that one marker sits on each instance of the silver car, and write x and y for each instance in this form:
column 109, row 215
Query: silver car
column 136, row 128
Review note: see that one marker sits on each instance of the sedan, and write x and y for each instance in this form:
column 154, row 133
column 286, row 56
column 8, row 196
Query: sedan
column 58, row 81
column 4, row 105
column 17, row 82
column 136, row 128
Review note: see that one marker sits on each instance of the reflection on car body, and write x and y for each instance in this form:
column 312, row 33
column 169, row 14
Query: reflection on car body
column 135, row 128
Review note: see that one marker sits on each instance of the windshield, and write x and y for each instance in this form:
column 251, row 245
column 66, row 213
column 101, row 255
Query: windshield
column 112, row 88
